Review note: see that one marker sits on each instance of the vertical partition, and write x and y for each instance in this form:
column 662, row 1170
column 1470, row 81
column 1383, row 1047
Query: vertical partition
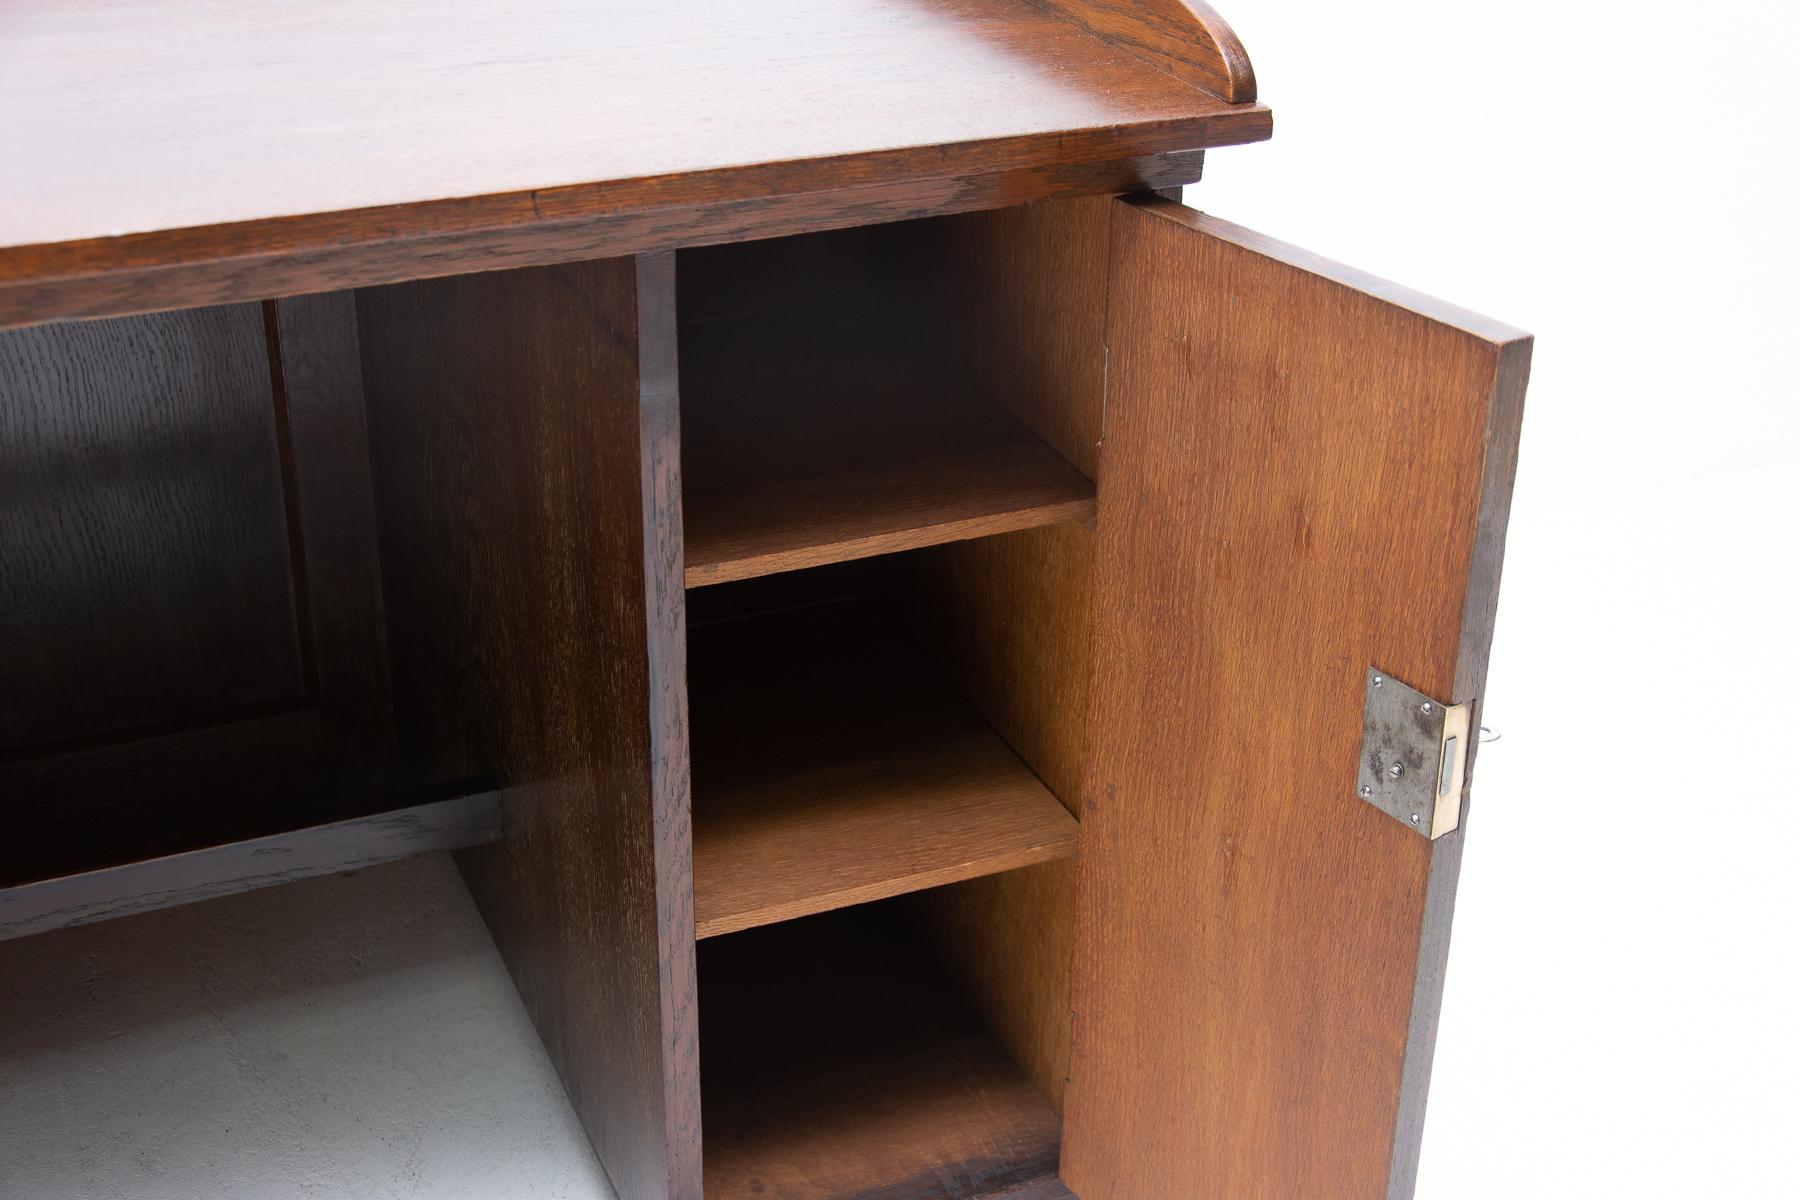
column 525, row 435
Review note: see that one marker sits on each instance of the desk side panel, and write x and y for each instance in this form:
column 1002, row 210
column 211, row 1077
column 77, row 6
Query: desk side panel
column 525, row 435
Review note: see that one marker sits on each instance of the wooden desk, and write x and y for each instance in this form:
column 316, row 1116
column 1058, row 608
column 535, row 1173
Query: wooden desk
column 885, row 622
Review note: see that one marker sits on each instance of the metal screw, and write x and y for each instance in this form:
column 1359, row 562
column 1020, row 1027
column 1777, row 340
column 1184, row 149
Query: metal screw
column 1378, row 681
column 1365, row 791
column 1396, row 770
column 1425, row 708
column 1415, row 818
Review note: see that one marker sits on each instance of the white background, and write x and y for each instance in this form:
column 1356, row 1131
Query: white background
column 1620, row 1017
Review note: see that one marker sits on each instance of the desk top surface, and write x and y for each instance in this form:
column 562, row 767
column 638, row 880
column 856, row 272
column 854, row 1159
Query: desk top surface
column 139, row 128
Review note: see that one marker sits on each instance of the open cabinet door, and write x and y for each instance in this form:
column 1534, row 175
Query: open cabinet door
column 1305, row 477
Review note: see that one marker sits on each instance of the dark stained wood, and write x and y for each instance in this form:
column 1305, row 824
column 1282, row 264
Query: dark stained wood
column 524, row 430
column 1008, row 618
column 425, row 139
column 1020, row 300
column 1017, row 298
column 771, row 275
column 1008, row 943
column 1016, row 301
column 185, row 788
column 1186, row 38
column 414, row 826
column 839, row 1064
column 832, row 766
column 1303, row 472
column 114, row 281
column 144, row 572
column 190, row 572
column 818, row 588
column 332, row 499
column 804, row 443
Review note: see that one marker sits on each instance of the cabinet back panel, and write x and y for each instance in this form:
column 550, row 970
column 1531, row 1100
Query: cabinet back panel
column 1016, row 299
column 741, row 279
column 145, row 572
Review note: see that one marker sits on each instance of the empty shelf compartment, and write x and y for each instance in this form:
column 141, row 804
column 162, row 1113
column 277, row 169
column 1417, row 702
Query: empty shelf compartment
column 808, row 440
column 838, row 1061
column 832, row 765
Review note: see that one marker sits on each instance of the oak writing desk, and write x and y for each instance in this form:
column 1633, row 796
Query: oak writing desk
column 948, row 673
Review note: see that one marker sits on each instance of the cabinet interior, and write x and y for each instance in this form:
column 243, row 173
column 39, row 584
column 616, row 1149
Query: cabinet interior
column 887, row 666
column 194, row 687
column 888, row 443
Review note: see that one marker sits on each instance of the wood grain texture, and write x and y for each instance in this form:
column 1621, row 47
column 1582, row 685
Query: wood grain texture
column 524, row 428
column 1008, row 618
column 1303, row 473
column 414, row 826
column 1479, row 607
column 839, row 1065
column 115, row 279
column 1186, row 38
column 243, row 152
column 187, row 787
column 1017, row 300
column 332, row 502
column 1008, row 942
column 144, row 572
column 832, row 767
column 807, row 441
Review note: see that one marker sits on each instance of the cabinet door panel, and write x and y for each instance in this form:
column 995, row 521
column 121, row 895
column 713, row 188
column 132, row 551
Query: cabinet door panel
column 1305, row 473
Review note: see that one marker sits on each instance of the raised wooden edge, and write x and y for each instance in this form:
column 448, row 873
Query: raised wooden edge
column 469, row 818
column 1186, row 38
column 258, row 260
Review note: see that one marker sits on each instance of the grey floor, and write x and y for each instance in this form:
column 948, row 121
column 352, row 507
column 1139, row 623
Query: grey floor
column 353, row 1037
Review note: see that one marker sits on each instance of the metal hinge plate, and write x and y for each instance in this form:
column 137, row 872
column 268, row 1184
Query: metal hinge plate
column 1415, row 754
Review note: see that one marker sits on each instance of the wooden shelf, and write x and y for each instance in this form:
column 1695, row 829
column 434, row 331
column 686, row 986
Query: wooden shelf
column 144, row 885
column 831, row 769
column 795, row 455
column 838, row 1061
column 154, row 821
